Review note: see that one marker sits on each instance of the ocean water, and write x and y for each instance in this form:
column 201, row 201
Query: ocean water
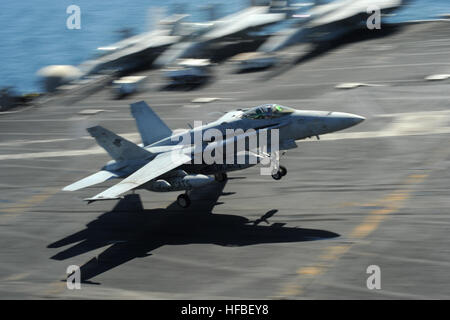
column 33, row 33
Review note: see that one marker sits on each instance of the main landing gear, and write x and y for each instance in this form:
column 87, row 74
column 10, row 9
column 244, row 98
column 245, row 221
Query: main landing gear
column 220, row 177
column 281, row 172
column 183, row 200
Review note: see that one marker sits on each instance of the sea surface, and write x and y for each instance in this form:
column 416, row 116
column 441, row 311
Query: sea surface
column 33, row 33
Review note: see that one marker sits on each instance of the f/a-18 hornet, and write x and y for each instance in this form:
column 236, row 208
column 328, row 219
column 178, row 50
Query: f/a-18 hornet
column 168, row 161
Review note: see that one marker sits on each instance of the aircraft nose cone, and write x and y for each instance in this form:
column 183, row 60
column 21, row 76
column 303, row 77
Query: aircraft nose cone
column 347, row 120
column 357, row 119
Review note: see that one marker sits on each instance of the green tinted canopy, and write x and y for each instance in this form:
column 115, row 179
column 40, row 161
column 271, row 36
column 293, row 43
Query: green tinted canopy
column 267, row 111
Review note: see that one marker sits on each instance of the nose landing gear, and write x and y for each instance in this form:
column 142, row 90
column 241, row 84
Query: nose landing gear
column 281, row 172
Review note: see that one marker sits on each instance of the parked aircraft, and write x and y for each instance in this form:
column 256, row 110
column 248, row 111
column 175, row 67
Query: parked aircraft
column 325, row 22
column 235, row 26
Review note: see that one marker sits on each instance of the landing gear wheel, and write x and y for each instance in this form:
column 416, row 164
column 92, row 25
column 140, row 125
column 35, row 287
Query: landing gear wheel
column 277, row 175
column 282, row 171
column 220, row 177
column 183, row 200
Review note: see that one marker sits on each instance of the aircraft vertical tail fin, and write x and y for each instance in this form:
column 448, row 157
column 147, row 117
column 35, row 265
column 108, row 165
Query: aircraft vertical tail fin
column 150, row 126
column 120, row 149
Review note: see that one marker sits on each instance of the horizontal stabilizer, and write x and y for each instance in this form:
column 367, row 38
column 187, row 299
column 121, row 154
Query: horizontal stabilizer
column 162, row 164
column 120, row 149
column 91, row 180
column 150, row 126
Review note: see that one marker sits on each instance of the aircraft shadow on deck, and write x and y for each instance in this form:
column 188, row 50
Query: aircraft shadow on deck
column 133, row 232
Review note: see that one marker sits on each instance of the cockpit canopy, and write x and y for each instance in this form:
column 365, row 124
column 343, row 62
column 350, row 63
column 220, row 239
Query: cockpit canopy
column 267, row 111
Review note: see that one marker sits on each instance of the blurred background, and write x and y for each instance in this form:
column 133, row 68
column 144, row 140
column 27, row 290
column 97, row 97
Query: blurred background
column 374, row 194
column 34, row 34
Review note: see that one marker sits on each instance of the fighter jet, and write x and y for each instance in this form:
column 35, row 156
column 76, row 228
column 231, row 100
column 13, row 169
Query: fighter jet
column 168, row 161
column 237, row 25
column 136, row 51
column 325, row 22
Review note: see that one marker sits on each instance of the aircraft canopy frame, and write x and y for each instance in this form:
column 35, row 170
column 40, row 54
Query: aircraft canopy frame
column 267, row 111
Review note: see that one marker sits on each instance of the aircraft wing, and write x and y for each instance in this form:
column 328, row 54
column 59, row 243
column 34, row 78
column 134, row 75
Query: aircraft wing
column 236, row 27
column 178, row 50
column 281, row 39
column 95, row 178
column 345, row 9
column 162, row 163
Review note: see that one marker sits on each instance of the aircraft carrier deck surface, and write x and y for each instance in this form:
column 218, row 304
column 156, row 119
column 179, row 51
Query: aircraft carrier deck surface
column 376, row 194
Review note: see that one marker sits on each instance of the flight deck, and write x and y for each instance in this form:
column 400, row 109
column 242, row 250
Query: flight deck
column 375, row 194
